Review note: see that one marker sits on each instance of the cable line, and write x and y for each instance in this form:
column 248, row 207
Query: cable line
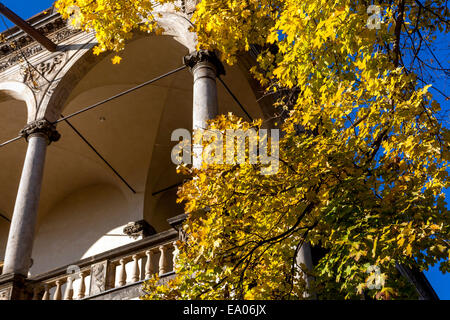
column 4, row 217
column 100, row 156
column 9, row 141
column 120, row 94
column 106, row 100
column 235, row 98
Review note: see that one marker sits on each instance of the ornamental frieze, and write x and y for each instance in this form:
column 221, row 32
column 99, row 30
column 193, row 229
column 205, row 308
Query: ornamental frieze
column 18, row 53
column 36, row 76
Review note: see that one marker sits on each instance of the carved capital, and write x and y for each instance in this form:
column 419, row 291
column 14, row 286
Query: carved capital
column 43, row 127
column 138, row 228
column 204, row 56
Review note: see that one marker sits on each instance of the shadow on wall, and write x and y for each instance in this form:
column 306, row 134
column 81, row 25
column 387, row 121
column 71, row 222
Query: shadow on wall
column 162, row 207
column 4, row 229
column 87, row 222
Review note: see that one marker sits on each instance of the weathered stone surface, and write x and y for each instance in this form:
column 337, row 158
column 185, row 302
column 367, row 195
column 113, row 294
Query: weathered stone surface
column 98, row 277
column 14, row 287
column 127, row 292
column 138, row 229
column 41, row 127
column 205, row 67
column 204, row 56
column 5, row 293
column 23, row 223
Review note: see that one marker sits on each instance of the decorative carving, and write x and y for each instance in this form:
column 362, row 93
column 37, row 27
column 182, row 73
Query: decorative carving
column 24, row 39
column 25, row 47
column 42, row 74
column 41, row 126
column 98, row 278
column 48, row 67
column 202, row 56
column 188, row 6
column 177, row 223
column 138, row 228
column 5, row 294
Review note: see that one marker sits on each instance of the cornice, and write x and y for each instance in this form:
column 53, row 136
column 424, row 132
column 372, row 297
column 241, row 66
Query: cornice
column 19, row 46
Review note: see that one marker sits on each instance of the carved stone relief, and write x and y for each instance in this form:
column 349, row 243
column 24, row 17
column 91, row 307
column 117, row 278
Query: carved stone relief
column 42, row 74
column 138, row 228
column 18, row 56
column 5, row 294
column 98, row 277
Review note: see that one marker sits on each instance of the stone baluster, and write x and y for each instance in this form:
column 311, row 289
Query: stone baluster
column 162, row 261
column 135, row 272
column 122, row 273
column 46, row 295
column 82, row 289
column 68, row 294
column 175, row 253
column 57, row 295
column 149, row 270
column 111, row 276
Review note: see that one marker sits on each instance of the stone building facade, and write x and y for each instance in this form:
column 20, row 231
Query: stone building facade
column 88, row 205
column 77, row 229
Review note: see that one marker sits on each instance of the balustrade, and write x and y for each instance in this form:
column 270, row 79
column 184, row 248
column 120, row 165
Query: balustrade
column 110, row 273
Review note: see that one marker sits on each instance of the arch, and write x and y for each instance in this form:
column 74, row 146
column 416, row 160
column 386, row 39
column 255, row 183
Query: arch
column 83, row 60
column 178, row 27
column 19, row 91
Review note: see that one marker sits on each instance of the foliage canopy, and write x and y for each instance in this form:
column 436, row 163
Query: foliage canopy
column 364, row 158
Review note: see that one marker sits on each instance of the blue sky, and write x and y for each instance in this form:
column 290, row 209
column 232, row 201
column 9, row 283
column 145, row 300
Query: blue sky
column 439, row 281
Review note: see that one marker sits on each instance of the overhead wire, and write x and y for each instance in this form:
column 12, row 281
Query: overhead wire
column 120, row 94
column 102, row 102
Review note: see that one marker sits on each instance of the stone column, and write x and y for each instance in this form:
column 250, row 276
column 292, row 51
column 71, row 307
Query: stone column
column 205, row 67
column 21, row 233
column 304, row 257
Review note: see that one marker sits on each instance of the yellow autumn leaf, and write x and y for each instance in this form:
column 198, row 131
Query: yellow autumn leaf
column 116, row 59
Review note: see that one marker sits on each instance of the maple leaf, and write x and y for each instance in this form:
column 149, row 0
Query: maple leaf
column 364, row 157
column 116, row 59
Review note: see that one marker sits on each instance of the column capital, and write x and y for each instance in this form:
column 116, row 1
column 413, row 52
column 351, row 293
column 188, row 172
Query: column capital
column 41, row 127
column 204, row 56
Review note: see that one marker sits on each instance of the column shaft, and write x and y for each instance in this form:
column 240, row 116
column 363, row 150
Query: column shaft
column 304, row 256
column 21, row 232
column 205, row 106
column 205, row 68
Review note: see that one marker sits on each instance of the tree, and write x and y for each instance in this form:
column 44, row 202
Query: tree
column 364, row 158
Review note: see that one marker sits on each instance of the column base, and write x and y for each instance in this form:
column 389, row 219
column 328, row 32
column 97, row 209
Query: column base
column 14, row 287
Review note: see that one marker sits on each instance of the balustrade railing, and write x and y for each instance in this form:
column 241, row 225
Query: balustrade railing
column 110, row 270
